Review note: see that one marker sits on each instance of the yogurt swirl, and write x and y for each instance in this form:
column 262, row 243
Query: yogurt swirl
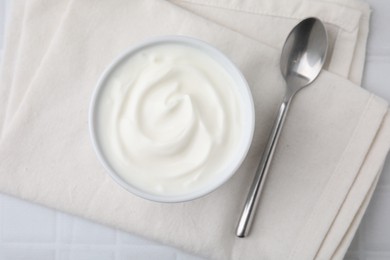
column 169, row 119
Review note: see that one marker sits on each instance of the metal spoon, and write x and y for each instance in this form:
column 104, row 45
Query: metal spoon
column 302, row 59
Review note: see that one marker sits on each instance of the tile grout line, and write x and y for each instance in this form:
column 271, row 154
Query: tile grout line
column 1, row 217
column 56, row 237
column 116, row 248
column 381, row 59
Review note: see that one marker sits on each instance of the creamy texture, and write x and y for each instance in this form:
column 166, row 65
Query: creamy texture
column 169, row 119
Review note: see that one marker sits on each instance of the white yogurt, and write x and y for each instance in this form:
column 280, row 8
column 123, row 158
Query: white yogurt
column 168, row 119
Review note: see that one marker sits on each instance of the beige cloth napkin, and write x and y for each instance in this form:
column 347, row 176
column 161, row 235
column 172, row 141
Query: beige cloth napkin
column 34, row 39
column 12, row 35
column 347, row 30
column 327, row 164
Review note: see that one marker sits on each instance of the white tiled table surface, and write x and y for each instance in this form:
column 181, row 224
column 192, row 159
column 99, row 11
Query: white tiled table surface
column 29, row 231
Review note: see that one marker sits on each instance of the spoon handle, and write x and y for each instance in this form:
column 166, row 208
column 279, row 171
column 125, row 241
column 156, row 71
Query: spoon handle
column 256, row 188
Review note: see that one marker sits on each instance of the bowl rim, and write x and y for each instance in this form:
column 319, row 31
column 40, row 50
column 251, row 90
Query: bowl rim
column 246, row 102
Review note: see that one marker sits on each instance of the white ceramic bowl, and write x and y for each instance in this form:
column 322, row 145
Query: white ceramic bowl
column 248, row 119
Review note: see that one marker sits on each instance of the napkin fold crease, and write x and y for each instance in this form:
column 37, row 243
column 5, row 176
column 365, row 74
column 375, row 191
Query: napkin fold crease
column 12, row 35
column 35, row 38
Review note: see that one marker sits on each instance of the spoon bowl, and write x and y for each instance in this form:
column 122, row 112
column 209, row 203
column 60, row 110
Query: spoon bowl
column 303, row 54
column 301, row 62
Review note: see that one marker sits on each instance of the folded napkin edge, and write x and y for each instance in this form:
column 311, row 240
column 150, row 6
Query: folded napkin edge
column 347, row 18
column 329, row 198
